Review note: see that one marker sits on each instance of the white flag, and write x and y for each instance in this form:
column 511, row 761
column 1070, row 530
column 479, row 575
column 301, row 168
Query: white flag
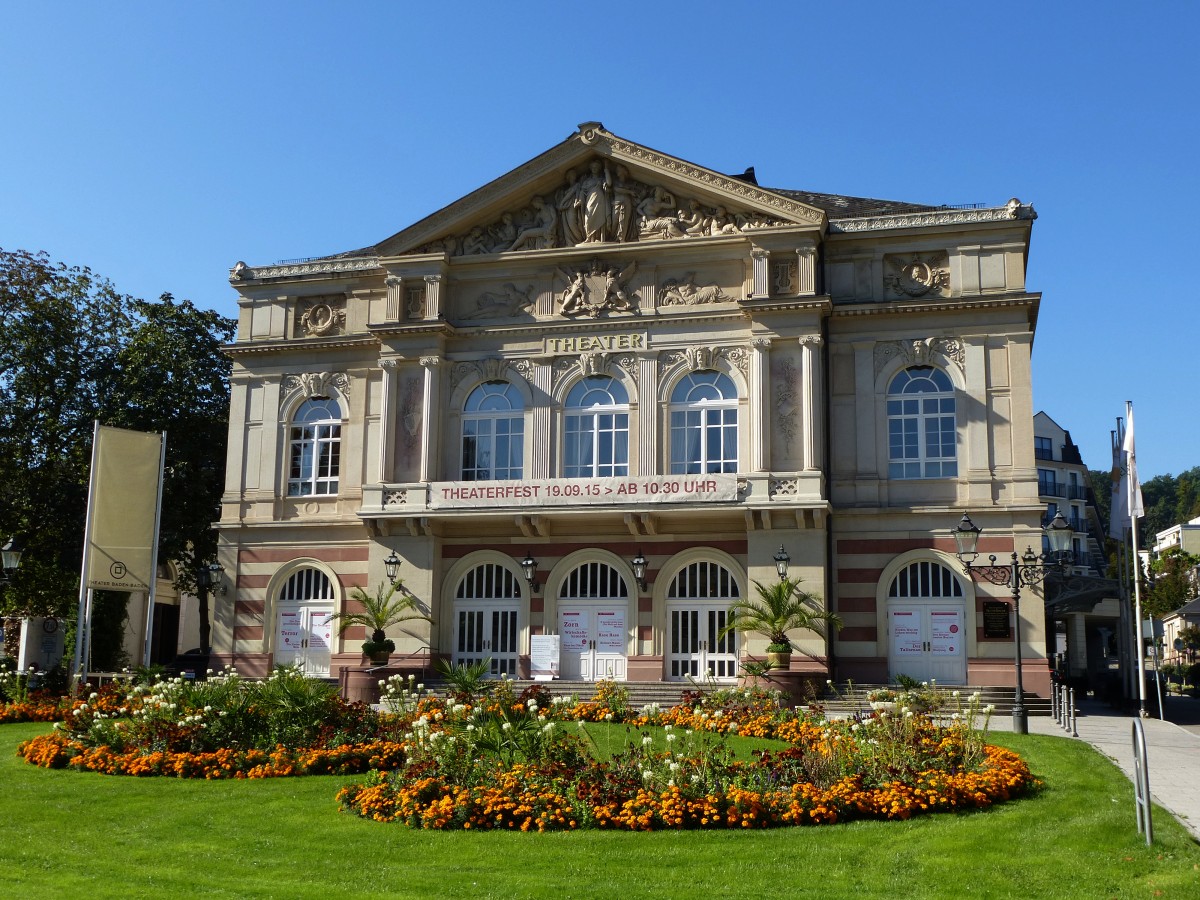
column 1136, row 510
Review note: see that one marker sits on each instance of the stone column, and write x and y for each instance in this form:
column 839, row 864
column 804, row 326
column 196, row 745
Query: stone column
column 760, row 404
column 433, row 296
column 539, row 438
column 806, row 281
column 430, row 417
column 395, row 298
column 387, row 416
column 762, row 275
column 810, row 392
column 647, row 463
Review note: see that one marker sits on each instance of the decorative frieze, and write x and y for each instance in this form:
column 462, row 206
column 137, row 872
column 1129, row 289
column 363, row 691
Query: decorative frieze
column 1014, row 209
column 685, row 292
column 242, row 272
column 491, row 369
column 602, row 203
column 698, row 358
column 920, row 352
column 316, row 384
column 503, row 304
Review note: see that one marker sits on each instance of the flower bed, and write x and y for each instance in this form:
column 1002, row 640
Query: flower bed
column 500, row 764
column 224, row 727
column 531, row 763
column 55, row 751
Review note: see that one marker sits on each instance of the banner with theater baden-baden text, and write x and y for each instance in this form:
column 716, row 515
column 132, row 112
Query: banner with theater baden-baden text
column 126, row 480
column 582, row 491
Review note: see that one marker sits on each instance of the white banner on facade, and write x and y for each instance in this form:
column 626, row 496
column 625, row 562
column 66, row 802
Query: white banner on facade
column 580, row 491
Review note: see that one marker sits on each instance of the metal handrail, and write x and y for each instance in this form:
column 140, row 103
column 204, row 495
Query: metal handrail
column 1141, row 782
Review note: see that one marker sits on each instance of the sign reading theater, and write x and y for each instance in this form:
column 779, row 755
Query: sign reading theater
column 576, row 491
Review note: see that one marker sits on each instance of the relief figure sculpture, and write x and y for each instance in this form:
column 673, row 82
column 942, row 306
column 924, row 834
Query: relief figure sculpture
column 569, row 205
column 595, row 191
column 539, row 234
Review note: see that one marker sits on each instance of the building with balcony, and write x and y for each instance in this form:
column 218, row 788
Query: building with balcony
column 1083, row 611
column 610, row 355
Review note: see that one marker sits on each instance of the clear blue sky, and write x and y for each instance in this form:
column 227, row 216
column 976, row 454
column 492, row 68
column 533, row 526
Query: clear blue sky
column 159, row 143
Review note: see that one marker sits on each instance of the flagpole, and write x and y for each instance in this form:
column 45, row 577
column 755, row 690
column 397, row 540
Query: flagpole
column 152, row 592
column 1137, row 612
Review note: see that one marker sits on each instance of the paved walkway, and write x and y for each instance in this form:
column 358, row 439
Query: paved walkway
column 1172, row 748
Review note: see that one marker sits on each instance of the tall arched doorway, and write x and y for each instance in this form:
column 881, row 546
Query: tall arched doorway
column 304, row 623
column 486, row 619
column 927, row 624
column 593, row 623
column 697, row 609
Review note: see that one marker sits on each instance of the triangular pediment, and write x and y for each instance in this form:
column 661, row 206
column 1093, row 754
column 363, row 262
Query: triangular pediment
column 596, row 188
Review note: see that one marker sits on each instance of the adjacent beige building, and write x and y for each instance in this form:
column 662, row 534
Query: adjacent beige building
column 610, row 354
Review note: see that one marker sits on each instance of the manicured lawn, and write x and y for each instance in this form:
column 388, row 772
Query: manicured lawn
column 67, row 834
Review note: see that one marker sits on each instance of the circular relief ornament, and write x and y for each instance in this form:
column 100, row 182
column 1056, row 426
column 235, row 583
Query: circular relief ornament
column 320, row 318
column 916, row 278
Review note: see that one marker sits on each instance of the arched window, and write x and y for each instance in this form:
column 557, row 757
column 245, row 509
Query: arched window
column 924, row 581
column 922, row 433
column 315, row 455
column 493, row 433
column 596, row 429
column 307, row 584
column 486, row 613
column 704, row 424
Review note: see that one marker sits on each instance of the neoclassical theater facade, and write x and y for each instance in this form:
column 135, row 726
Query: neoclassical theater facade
column 610, row 354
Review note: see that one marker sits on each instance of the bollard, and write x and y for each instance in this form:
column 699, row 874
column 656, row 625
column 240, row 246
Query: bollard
column 1074, row 716
column 1054, row 703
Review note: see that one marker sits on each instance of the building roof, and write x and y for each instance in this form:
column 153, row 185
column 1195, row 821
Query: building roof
column 839, row 206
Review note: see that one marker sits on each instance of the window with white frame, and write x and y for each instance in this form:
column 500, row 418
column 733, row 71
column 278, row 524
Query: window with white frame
column 493, row 433
column 922, row 431
column 704, row 424
column 315, row 448
column 596, row 429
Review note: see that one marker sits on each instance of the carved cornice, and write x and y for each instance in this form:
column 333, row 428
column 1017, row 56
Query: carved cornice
column 1012, row 210
column 243, row 273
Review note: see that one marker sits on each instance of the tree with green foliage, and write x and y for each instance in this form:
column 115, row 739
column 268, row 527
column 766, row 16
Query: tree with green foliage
column 73, row 351
column 1173, row 583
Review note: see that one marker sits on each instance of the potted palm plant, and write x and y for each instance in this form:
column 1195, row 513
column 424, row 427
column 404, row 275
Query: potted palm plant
column 776, row 611
column 387, row 607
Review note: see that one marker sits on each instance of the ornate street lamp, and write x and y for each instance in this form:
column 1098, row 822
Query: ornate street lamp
column 208, row 581
column 781, row 563
column 529, row 567
column 1027, row 570
column 639, row 569
column 391, row 566
column 10, row 558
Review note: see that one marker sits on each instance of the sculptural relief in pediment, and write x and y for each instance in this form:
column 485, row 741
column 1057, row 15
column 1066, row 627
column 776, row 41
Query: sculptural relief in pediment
column 685, row 292
column 600, row 204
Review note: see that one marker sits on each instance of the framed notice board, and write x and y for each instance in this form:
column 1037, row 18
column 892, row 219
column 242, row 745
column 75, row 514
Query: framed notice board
column 995, row 619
